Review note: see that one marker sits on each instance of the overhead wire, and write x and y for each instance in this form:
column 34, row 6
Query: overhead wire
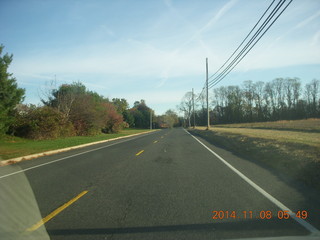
column 204, row 87
column 243, row 40
column 212, row 84
column 251, row 42
column 236, row 48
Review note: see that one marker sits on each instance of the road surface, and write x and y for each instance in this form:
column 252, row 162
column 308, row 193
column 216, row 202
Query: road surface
column 162, row 185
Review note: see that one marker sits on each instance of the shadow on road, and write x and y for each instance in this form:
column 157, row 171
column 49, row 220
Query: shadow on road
column 229, row 229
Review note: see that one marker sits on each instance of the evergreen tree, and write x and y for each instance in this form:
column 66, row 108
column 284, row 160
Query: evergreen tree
column 10, row 94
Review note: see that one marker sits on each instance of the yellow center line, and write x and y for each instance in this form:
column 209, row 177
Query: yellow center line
column 139, row 152
column 55, row 212
column 155, row 141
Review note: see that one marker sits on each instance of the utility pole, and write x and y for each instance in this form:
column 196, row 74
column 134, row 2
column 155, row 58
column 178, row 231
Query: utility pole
column 194, row 116
column 208, row 122
column 150, row 119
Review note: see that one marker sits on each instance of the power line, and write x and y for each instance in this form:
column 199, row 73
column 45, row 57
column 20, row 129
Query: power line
column 235, row 62
column 247, row 48
column 242, row 41
column 274, row 11
column 210, row 83
column 204, row 87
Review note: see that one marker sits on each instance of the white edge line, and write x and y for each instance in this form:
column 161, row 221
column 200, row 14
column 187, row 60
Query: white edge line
column 60, row 159
column 302, row 222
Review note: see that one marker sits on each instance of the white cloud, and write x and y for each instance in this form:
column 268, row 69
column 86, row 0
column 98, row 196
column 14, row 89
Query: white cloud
column 145, row 61
column 221, row 12
column 280, row 55
column 161, row 55
column 306, row 21
column 316, row 39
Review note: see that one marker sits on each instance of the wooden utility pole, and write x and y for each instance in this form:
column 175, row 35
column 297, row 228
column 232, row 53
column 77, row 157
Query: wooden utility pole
column 150, row 119
column 207, row 87
column 194, row 116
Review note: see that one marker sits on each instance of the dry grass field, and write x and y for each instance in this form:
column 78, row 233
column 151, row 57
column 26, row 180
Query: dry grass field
column 308, row 138
column 288, row 147
column 307, row 125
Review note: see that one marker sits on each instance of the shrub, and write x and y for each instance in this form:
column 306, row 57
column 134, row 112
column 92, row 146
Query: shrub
column 41, row 123
column 86, row 116
column 113, row 121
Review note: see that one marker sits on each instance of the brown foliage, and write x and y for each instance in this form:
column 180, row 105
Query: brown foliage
column 41, row 123
column 85, row 117
column 113, row 121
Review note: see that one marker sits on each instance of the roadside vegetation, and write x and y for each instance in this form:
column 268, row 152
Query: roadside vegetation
column 292, row 153
column 69, row 114
column 11, row 147
column 275, row 124
column 251, row 102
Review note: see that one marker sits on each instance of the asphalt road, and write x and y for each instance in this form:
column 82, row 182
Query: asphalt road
column 162, row 185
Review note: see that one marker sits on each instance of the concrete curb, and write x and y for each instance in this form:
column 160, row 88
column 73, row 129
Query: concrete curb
column 36, row 155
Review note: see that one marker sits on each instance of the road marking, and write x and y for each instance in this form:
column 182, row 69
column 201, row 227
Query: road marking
column 161, row 136
column 280, row 205
column 155, row 141
column 55, row 212
column 61, row 159
column 139, row 152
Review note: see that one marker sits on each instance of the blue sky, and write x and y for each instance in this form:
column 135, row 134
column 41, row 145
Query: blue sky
column 153, row 50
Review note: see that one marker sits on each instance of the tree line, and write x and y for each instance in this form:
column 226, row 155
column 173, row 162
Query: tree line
column 279, row 99
column 69, row 110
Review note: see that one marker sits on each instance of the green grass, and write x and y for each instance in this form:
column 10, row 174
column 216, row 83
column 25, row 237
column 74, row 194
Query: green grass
column 306, row 125
column 294, row 154
column 11, row 147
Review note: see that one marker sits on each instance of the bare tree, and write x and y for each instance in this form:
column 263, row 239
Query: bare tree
column 278, row 85
column 248, row 93
column 296, row 91
column 269, row 96
column 315, row 91
column 65, row 98
column 258, row 101
column 186, row 106
column 258, row 97
column 288, row 89
column 312, row 95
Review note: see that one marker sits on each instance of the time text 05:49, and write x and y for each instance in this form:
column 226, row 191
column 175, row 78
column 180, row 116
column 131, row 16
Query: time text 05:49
column 281, row 214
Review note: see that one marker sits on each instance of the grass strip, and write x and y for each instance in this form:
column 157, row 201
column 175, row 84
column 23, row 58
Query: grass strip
column 12, row 147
